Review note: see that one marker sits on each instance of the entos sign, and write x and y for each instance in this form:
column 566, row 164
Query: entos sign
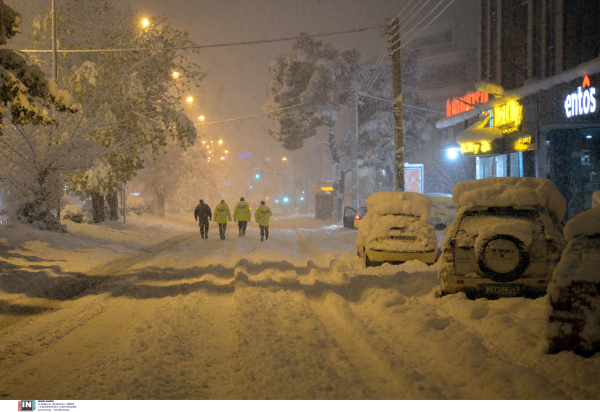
column 582, row 101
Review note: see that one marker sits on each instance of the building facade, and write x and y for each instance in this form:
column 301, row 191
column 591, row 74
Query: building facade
column 540, row 61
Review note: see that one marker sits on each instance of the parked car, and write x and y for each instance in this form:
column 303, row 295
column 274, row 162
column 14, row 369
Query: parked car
column 574, row 323
column 506, row 240
column 443, row 212
column 395, row 229
column 352, row 216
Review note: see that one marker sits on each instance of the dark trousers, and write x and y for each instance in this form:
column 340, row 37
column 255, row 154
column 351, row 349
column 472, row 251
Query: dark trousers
column 222, row 229
column 264, row 232
column 203, row 228
column 242, row 227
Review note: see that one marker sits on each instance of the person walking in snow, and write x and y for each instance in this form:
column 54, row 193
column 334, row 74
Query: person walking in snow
column 221, row 216
column 262, row 215
column 242, row 214
column 203, row 214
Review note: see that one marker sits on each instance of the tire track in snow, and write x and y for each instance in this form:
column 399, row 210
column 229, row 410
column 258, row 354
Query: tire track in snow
column 388, row 373
column 286, row 352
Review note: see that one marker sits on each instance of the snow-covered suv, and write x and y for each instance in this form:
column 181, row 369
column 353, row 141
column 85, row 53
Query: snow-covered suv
column 574, row 323
column 506, row 239
column 396, row 230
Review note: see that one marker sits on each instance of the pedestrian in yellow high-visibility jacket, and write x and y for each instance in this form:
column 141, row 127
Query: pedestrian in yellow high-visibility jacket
column 221, row 216
column 242, row 214
column 262, row 215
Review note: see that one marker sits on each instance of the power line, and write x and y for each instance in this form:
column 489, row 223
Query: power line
column 207, row 46
column 247, row 117
column 420, row 31
column 421, row 21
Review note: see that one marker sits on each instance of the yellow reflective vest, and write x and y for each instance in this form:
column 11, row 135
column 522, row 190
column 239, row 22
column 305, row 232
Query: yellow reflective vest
column 262, row 215
column 222, row 213
column 242, row 213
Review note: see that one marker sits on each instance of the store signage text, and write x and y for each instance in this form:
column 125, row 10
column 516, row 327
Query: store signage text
column 523, row 144
column 327, row 188
column 508, row 116
column 456, row 106
column 475, row 147
column 582, row 101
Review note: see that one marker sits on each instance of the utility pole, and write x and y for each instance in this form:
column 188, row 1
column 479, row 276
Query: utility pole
column 354, row 154
column 54, row 52
column 393, row 30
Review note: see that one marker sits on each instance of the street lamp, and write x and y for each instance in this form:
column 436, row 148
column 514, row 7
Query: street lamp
column 201, row 118
column 176, row 75
column 220, row 141
column 190, row 99
column 145, row 23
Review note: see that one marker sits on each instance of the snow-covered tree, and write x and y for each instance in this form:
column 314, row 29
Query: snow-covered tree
column 139, row 88
column 35, row 161
column 318, row 77
column 24, row 87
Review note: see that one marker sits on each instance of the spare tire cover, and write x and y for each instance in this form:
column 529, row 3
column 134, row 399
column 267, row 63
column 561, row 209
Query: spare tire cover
column 504, row 258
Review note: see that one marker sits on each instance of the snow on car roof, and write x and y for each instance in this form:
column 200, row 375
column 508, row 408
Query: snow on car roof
column 510, row 191
column 401, row 203
column 584, row 224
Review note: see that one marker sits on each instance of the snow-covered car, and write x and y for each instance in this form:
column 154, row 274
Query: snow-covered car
column 395, row 229
column 574, row 323
column 506, row 240
column 352, row 216
column 443, row 212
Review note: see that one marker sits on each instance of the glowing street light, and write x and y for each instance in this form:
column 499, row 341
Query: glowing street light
column 145, row 23
column 190, row 99
column 257, row 176
column 222, row 157
column 176, row 75
column 452, row 153
column 286, row 199
column 201, row 118
column 220, row 142
column 284, row 159
column 203, row 142
column 226, row 151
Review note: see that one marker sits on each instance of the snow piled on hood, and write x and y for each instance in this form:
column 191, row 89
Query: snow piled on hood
column 399, row 203
column 584, row 224
column 511, row 192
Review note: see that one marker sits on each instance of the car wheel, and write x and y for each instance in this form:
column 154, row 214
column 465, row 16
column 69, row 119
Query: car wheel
column 504, row 258
column 368, row 262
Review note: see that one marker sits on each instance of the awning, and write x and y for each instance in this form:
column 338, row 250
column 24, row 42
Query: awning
column 478, row 132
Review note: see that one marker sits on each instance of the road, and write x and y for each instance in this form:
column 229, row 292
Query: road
column 297, row 317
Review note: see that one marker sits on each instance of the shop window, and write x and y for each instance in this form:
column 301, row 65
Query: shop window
column 516, row 164
column 493, row 166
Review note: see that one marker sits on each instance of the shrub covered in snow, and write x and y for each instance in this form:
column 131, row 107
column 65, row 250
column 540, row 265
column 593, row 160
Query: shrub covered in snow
column 575, row 289
column 137, row 205
column 72, row 213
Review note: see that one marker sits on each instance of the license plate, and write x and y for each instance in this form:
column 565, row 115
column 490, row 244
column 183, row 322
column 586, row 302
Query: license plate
column 503, row 290
column 405, row 238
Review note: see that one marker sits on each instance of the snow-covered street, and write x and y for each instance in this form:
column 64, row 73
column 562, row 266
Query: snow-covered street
column 149, row 310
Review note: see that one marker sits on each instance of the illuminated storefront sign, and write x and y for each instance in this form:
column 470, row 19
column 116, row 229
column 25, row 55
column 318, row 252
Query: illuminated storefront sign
column 508, row 116
column 581, row 102
column 475, row 147
column 523, row 144
column 327, row 188
column 465, row 103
